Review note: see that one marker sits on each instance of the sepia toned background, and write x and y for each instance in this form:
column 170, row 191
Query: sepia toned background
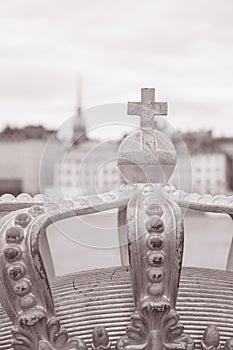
column 184, row 48
column 60, row 60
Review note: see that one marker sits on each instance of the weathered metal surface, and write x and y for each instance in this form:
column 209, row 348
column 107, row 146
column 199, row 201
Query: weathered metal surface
column 208, row 203
column 45, row 334
column 24, row 287
column 147, row 108
column 155, row 234
column 90, row 203
column 229, row 265
column 100, row 339
column 211, row 338
column 95, row 306
column 104, row 297
column 154, row 162
column 122, row 235
column 16, row 228
column 147, row 155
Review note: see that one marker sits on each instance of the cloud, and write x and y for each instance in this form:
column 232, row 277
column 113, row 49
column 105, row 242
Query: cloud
column 183, row 48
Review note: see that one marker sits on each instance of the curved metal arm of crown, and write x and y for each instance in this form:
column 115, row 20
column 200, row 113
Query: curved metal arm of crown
column 24, row 286
column 109, row 200
column 206, row 202
column 155, row 234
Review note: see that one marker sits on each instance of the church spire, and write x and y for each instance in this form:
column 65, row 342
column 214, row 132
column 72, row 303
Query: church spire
column 79, row 127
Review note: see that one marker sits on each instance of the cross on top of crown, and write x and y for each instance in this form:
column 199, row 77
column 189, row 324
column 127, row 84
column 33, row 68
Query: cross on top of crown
column 147, row 108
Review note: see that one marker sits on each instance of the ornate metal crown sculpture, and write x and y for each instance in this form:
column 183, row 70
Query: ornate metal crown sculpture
column 130, row 308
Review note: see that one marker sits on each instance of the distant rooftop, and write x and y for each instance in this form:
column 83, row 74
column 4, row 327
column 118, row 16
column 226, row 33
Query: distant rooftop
column 29, row 132
column 203, row 142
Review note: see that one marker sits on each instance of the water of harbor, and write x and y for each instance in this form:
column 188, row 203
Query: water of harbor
column 91, row 242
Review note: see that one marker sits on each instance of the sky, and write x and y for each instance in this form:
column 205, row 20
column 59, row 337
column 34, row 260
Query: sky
column 182, row 48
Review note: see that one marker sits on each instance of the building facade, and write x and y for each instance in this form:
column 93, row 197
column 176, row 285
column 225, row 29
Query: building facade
column 212, row 165
column 21, row 152
column 86, row 166
column 211, row 172
column 89, row 166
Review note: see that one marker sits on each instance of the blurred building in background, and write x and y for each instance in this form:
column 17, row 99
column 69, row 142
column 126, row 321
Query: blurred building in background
column 87, row 166
column 21, row 151
column 90, row 166
column 226, row 144
column 212, row 164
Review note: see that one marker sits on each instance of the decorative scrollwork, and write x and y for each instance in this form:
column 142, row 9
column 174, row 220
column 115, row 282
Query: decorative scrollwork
column 44, row 335
column 25, row 290
column 100, row 339
column 229, row 344
column 211, row 338
column 155, row 233
column 155, row 328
